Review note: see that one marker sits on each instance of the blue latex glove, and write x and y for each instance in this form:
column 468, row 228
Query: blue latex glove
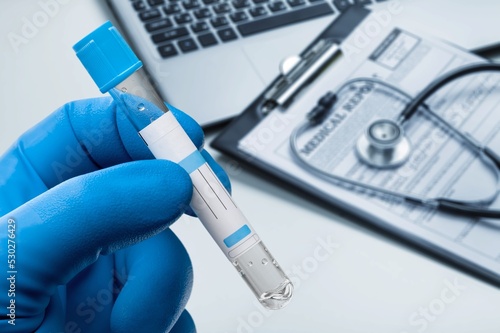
column 93, row 252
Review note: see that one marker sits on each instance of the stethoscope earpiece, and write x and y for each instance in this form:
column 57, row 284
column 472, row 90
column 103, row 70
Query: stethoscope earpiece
column 383, row 145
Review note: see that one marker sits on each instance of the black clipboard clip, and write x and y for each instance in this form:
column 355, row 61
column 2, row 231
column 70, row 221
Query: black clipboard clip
column 281, row 92
column 299, row 71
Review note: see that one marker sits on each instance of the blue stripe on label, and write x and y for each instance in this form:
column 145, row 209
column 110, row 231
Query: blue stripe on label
column 192, row 162
column 236, row 236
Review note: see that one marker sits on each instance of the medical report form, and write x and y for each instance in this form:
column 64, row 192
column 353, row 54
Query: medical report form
column 440, row 165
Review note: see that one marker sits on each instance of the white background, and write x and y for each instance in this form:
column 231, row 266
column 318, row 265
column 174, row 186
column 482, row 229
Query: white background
column 370, row 282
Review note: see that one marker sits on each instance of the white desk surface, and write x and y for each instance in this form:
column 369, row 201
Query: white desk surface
column 369, row 282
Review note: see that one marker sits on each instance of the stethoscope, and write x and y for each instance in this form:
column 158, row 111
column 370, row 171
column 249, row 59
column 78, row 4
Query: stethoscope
column 384, row 145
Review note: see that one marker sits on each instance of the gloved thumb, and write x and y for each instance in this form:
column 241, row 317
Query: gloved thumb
column 65, row 229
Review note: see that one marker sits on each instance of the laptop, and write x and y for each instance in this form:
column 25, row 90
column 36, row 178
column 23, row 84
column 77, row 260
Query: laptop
column 211, row 58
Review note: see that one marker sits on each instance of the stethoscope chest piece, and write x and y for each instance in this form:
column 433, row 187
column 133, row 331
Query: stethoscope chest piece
column 383, row 145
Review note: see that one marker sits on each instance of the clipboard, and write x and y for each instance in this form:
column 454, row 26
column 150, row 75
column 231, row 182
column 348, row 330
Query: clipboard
column 335, row 33
column 288, row 89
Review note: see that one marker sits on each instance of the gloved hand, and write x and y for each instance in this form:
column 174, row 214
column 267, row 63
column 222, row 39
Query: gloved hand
column 85, row 216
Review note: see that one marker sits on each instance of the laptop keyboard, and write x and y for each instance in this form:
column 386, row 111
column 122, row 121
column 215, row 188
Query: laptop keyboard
column 182, row 26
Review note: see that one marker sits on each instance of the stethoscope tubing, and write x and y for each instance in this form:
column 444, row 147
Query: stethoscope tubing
column 462, row 207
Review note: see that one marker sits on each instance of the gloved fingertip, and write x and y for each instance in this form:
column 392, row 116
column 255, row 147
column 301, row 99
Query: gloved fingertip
column 184, row 324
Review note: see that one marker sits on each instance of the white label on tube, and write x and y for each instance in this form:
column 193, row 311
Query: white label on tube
column 211, row 202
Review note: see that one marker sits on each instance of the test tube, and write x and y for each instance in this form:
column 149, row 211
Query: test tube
column 116, row 69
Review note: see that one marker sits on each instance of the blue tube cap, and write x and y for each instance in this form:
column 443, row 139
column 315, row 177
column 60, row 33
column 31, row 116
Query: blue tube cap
column 107, row 57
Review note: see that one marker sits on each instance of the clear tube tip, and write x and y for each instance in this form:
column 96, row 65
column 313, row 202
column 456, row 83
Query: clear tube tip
column 278, row 298
column 265, row 277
